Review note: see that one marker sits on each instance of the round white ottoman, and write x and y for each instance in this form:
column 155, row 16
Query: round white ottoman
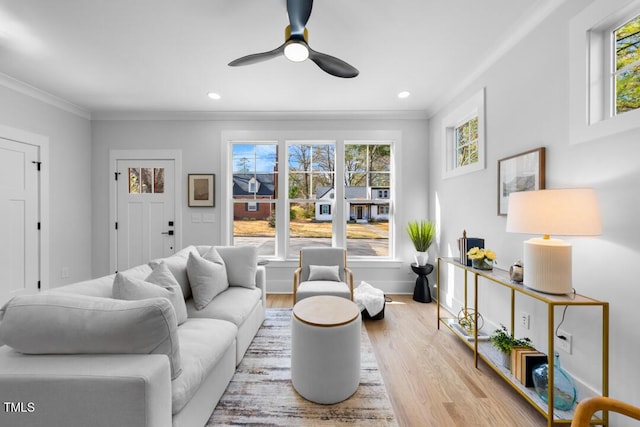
column 325, row 348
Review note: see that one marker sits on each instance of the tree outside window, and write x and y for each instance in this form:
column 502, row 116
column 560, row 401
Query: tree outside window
column 466, row 143
column 627, row 66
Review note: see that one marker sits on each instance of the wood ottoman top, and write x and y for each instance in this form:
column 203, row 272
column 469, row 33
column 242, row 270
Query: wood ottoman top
column 326, row 311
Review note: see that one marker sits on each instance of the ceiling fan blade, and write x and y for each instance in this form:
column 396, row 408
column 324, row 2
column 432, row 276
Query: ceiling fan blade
column 257, row 57
column 299, row 12
column 332, row 65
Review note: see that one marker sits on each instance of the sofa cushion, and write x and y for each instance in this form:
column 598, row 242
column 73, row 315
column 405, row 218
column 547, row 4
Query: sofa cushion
column 77, row 324
column 324, row 272
column 322, row 287
column 235, row 304
column 100, row 287
column 177, row 264
column 159, row 284
column 241, row 263
column 203, row 342
column 207, row 279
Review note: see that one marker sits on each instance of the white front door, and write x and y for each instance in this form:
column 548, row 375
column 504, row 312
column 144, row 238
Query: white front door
column 145, row 221
column 19, row 211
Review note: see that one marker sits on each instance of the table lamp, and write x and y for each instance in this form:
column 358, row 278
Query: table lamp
column 564, row 212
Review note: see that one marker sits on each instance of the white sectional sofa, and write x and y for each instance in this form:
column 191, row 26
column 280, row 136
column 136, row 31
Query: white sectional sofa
column 77, row 356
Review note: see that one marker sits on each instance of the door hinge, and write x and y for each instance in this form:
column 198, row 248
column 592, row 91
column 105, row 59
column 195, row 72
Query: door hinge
column 38, row 226
column 38, row 284
column 37, row 164
column 115, row 174
column 116, row 225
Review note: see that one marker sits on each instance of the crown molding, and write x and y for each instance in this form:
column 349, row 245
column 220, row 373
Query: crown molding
column 33, row 92
column 514, row 34
column 260, row 115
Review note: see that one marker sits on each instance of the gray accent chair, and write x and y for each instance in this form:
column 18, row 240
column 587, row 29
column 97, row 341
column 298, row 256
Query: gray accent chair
column 304, row 288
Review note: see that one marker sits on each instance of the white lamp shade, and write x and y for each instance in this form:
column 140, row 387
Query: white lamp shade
column 560, row 212
column 565, row 212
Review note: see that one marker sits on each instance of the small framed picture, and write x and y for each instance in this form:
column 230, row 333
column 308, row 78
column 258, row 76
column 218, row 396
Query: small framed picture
column 202, row 190
column 522, row 172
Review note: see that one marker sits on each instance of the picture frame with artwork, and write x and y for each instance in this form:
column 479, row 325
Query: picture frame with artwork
column 520, row 172
column 202, row 190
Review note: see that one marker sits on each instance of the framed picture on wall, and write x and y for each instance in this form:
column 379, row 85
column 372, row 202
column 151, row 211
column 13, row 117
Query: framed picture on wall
column 202, row 190
column 521, row 172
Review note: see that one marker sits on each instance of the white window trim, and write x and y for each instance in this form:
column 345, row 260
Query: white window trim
column 474, row 106
column 591, row 113
column 340, row 137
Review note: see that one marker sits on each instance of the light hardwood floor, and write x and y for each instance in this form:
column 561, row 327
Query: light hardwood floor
column 429, row 374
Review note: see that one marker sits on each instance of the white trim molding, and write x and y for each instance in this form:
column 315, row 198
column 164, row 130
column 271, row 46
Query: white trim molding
column 474, row 106
column 590, row 41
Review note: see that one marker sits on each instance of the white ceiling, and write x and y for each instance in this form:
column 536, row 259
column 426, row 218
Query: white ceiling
column 166, row 55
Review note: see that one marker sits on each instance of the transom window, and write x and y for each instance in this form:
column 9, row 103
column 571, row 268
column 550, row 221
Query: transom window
column 626, row 74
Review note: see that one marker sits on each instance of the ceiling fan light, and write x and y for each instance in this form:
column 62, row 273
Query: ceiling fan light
column 296, row 51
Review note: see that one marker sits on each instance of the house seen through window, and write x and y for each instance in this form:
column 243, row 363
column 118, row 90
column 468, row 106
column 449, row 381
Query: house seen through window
column 328, row 198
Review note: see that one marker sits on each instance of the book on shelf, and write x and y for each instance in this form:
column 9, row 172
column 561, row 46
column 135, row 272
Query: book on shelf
column 465, row 244
column 520, row 371
column 529, row 363
column 515, row 359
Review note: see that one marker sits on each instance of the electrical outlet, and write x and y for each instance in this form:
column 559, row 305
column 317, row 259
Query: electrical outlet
column 524, row 319
column 564, row 343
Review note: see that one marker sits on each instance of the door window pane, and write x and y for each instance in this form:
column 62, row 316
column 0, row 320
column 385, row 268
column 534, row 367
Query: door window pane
column 146, row 180
column 134, row 181
column 158, row 180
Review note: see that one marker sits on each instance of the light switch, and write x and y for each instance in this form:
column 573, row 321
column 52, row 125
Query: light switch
column 209, row 218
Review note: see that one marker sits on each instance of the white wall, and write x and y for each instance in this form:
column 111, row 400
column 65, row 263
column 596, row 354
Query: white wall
column 70, row 180
column 200, row 142
column 527, row 106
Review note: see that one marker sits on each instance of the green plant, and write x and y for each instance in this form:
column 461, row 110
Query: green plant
column 503, row 341
column 421, row 234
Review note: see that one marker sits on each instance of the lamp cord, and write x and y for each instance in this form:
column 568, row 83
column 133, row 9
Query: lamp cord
column 564, row 312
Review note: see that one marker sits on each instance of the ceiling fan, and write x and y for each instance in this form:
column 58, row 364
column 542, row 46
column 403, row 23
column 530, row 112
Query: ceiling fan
column 295, row 47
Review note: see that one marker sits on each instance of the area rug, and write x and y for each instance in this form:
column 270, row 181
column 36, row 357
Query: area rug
column 261, row 393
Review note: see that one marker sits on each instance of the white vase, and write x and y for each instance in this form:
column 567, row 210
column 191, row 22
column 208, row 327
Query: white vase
column 422, row 258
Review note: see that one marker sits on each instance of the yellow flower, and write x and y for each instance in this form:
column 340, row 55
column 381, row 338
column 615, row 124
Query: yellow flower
column 477, row 253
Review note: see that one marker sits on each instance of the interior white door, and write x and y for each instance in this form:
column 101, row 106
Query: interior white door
column 145, row 211
column 19, row 211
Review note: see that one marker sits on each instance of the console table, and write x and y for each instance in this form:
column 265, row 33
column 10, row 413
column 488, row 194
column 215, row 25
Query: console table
column 484, row 350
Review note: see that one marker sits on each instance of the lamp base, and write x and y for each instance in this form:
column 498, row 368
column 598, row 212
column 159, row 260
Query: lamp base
column 547, row 266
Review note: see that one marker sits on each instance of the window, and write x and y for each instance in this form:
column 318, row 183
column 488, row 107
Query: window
column 309, row 192
column 367, row 165
column 146, row 180
column 626, row 65
column 254, row 195
column 311, row 169
column 463, row 138
column 604, row 94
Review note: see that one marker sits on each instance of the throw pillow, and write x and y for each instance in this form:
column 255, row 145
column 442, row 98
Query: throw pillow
column 324, row 272
column 160, row 283
column 207, row 279
column 78, row 324
column 177, row 264
column 241, row 263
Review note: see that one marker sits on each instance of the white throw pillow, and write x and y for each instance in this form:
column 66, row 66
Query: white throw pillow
column 159, row 284
column 78, row 324
column 177, row 264
column 207, row 279
column 241, row 263
column 324, row 272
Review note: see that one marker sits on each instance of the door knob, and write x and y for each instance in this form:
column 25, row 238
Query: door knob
column 170, row 232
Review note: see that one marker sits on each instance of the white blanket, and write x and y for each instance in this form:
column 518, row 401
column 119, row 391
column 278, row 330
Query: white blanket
column 369, row 298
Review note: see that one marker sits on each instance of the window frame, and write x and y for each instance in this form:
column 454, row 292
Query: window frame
column 465, row 112
column 340, row 138
column 592, row 56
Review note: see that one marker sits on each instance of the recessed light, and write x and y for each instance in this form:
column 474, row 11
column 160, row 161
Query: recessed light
column 404, row 94
column 214, row 95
